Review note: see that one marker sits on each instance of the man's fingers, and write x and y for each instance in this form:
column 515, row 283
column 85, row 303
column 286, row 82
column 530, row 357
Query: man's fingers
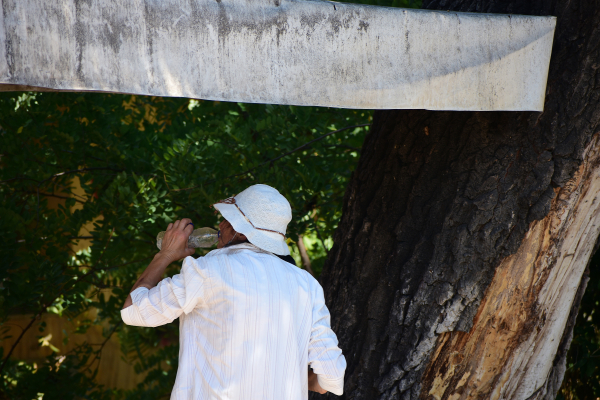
column 177, row 237
column 189, row 228
column 180, row 224
column 184, row 223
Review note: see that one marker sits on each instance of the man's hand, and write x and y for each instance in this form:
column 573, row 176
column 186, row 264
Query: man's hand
column 313, row 383
column 173, row 248
column 174, row 243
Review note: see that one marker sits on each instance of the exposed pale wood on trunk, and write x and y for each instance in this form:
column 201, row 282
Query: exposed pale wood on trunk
column 556, row 376
column 509, row 351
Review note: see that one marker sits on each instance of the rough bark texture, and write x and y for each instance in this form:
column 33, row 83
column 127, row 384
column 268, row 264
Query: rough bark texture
column 510, row 350
column 441, row 200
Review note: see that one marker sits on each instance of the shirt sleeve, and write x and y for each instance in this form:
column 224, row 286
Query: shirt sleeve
column 167, row 300
column 324, row 355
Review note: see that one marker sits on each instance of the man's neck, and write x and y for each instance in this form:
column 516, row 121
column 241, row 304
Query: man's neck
column 234, row 242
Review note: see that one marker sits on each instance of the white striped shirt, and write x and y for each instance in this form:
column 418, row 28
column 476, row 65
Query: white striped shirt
column 249, row 326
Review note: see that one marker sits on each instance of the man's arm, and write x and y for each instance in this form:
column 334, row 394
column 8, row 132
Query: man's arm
column 174, row 247
column 324, row 356
column 313, row 383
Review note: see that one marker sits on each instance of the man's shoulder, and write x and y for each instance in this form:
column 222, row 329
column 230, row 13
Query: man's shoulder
column 243, row 250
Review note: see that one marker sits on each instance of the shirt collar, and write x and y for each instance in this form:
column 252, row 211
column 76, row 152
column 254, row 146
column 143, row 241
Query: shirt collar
column 237, row 247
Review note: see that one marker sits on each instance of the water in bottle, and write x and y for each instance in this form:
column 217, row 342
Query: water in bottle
column 201, row 237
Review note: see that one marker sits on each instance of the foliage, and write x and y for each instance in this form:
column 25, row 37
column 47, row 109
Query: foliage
column 141, row 163
column 582, row 379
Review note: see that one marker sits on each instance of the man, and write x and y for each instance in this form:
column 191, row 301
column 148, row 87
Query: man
column 250, row 322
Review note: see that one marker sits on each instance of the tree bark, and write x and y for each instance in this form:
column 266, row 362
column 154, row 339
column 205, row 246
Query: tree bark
column 458, row 265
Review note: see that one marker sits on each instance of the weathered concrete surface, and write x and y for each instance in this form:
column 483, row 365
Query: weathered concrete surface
column 279, row 51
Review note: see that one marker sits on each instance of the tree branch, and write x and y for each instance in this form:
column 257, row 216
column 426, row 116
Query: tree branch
column 99, row 351
column 61, row 174
column 60, row 293
column 54, row 195
column 87, row 155
column 37, row 217
column 19, row 178
column 80, row 170
column 319, row 236
column 304, row 255
column 345, row 146
column 14, row 346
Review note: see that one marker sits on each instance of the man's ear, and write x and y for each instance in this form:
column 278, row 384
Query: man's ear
column 242, row 236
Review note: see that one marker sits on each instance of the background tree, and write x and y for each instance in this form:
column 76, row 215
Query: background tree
column 457, row 265
column 141, row 162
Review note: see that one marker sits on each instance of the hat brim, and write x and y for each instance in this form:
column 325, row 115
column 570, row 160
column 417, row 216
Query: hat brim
column 269, row 241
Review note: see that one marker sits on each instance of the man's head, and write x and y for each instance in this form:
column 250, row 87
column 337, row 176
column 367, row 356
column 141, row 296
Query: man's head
column 228, row 235
column 261, row 214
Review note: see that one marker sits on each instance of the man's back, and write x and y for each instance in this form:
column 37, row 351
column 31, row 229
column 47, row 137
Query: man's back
column 250, row 324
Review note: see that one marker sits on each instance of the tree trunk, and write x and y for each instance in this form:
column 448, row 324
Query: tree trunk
column 458, row 266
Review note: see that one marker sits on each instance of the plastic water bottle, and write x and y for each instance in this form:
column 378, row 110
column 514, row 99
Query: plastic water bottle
column 201, row 237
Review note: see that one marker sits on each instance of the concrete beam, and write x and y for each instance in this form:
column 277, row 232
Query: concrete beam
column 278, row 51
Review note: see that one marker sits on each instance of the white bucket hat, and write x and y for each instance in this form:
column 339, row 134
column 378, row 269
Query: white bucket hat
column 262, row 214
